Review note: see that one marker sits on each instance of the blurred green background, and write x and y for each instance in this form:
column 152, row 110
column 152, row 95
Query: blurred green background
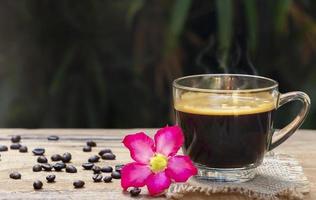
column 111, row 63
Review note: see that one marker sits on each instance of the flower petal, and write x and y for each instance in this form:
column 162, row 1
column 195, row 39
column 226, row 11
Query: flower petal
column 180, row 168
column 157, row 183
column 141, row 147
column 134, row 175
column 168, row 140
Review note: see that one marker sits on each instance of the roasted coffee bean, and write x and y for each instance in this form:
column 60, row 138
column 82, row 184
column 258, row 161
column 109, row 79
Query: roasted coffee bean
column 119, row 167
column 78, row 184
column 15, row 146
column 135, row 192
column 59, row 166
column 3, row 148
column 108, row 156
column 87, row 149
column 16, row 138
column 107, row 169
column 116, row 175
column 37, row 168
column 53, row 137
column 56, row 157
column 97, row 177
column 94, row 159
column 66, row 157
column 38, row 151
column 15, row 175
column 50, row 178
column 103, row 151
column 71, row 169
column 42, row 159
column 91, row 143
column 96, row 169
column 23, row 149
column 47, row 167
column 87, row 166
column 37, row 185
column 107, row 179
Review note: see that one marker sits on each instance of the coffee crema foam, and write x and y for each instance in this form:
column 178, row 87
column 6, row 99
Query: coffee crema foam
column 225, row 104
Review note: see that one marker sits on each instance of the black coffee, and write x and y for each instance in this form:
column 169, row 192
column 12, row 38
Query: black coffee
column 228, row 134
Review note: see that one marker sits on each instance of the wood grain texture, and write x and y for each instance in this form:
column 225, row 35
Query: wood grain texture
column 301, row 145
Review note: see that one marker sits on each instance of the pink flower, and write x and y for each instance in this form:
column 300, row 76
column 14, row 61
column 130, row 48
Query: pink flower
column 156, row 163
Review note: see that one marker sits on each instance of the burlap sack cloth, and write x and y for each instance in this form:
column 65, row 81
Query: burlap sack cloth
column 279, row 177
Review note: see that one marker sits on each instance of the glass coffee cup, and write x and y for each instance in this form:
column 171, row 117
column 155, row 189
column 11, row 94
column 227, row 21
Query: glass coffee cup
column 227, row 121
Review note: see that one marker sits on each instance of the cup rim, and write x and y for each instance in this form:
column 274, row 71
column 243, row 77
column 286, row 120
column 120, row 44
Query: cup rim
column 176, row 85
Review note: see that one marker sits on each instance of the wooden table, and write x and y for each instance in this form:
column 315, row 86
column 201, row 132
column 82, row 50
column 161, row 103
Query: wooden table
column 302, row 145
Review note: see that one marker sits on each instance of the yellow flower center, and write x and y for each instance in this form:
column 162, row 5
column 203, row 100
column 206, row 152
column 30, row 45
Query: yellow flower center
column 158, row 163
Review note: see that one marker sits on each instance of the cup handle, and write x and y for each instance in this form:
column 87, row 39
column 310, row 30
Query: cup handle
column 283, row 134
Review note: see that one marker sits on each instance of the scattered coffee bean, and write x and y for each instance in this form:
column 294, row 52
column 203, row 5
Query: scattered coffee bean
column 59, row 166
column 78, row 184
column 47, row 167
column 87, row 149
column 94, row 159
column 91, row 143
column 53, row 137
column 38, row 151
column 42, row 159
column 56, row 157
column 71, row 169
column 3, row 148
column 37, row 185
column 107, row 169
column 15, row 175
column 103, row 151
column 16, row 138
column 116, row 175
column 23, row 149
column 50, row 178
column 108, row 156
column 37, row 168
column 135, row 192
column 15, row 146
column 107, row 179
column 119, row 167
column 96, row 169
column 87, row 166
column 66, row 157
column 97, row 177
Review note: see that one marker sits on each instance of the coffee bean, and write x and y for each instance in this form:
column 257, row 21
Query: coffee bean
column 38, row 151
column 50, row 178
column 66, row 157
column 116, row 175
column 97, row 177
column 107, row 179
column 56, row 157
column 119, row 167
column 59, row 166
column 37, row 168
column 3, row 148
column 23, row 149
column 53, row 137
column 42, row 159
column 86, row 149
column 15, row 146
column 103, row 151
column 78, row 184
column 15, row 175
column 108, row 156
column 47, row 167
column 96, row 169
column 87, row 166
column 94, row 159
column 135, row 192
column 37, row 185
column 107, row 169
column 16, row 138
column 91, row 143
column 71, row 169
